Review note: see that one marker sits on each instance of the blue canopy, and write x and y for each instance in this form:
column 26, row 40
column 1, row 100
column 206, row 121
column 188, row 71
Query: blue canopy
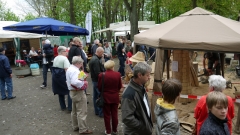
column 47, row 25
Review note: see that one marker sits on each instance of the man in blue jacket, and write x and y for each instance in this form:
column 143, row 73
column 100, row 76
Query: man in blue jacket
column 5, row 76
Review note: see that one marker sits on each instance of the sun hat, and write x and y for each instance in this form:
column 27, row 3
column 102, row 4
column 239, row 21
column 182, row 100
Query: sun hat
column 138, row 57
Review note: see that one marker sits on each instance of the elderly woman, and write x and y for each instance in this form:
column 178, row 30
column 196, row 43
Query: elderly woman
column 216, row 83
column 111, row 87
column 32, row 52
column 60, row 65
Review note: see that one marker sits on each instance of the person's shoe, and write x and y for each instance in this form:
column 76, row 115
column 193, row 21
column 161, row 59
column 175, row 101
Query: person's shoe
column 43, row 86
column 69, row 111
column 114, row 133
column 106, row 133
column 76, row 129
column 101, row 116
column 87, row 102
column 4, row 98
column 12, row 97
column 86, row 132
column 88, row 94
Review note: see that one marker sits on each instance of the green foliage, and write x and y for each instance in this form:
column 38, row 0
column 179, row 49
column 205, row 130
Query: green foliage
column 10, row 16
column 7, row 14
column 29, row 16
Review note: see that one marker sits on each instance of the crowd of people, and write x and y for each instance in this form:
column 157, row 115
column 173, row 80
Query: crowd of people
column 214, row 112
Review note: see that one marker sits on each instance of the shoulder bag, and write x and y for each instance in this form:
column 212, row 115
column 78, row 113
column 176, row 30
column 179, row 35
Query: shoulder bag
column 100, row 100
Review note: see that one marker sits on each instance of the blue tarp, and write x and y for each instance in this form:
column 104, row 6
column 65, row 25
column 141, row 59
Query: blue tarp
column 49, row 25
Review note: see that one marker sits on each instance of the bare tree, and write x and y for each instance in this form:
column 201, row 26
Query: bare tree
column 133, row 16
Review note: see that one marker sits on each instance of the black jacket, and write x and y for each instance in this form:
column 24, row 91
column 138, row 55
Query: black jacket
column 96, row 67
column 134, row 112
column 59, row 84
column 214, row 126
column 74, row 51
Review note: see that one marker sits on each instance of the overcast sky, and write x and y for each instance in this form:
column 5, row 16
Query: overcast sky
column 19, row 7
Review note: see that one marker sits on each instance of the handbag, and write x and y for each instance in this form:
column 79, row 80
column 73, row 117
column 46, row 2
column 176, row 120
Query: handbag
column 100, row 100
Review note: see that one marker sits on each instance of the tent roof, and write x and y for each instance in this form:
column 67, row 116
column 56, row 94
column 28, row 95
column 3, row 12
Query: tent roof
column 126, row 26
column 196, row 29
column 15, row 34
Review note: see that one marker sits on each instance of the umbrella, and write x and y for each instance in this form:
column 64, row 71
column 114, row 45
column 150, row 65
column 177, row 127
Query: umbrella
column 45, row 25
column 197, row 29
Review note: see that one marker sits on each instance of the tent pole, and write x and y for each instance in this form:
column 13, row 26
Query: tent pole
column 46, row 33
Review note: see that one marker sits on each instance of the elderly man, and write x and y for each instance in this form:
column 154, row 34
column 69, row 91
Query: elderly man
column 136, row 113
column 5, row 76
column 96, row 67
column 46, row 62
column 216, row 83
column 95, row 46
column 107, row 51
column 79, row 99
column 60, row 65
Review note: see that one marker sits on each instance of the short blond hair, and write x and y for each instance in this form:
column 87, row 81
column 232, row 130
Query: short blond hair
column 76, row 39
column 109, row 64
column 216, row 97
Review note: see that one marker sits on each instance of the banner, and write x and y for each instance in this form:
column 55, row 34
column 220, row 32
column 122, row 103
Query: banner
column 88, row 26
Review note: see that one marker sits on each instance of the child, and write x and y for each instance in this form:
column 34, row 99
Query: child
column 216, row 122
column 167, row 119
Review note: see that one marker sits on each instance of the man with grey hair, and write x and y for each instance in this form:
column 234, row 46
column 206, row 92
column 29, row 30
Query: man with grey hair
column 95, row 46
column 79, row 99
column 47, row 60
column 59, row 86
column 216, row 83
column 96, row 67
column 136, row 113
column 5, row 76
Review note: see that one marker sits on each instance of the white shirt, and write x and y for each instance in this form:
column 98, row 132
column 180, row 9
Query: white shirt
column 72, row 77
column 33, row 53
column 146, row 104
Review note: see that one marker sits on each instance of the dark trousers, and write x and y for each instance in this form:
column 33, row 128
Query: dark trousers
column 62, row 102
column 45, row 70
column 110, row 113
column 122, row 66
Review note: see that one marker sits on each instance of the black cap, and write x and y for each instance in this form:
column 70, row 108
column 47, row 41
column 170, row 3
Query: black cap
column 2, row 49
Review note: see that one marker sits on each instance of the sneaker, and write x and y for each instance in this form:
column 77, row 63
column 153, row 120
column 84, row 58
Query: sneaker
column 12, row 97
column 43, row 86
column 106, row 133
column 114, row 133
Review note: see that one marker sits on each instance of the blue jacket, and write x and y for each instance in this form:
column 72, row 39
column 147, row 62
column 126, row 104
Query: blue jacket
column 5, row 69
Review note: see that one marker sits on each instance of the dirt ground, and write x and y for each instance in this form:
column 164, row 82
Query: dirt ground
column 36, row 111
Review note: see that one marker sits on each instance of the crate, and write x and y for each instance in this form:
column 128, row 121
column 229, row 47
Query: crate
column 35, row 71
column 34, row 66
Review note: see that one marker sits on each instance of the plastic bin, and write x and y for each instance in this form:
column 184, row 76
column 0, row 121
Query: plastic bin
column 34, row 66
column 35, row 71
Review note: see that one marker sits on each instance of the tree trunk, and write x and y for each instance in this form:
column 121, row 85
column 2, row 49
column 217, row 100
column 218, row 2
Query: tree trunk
column 72, row 15
column 194, row 3
column 132, row 10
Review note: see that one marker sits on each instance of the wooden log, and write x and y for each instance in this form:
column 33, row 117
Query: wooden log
column 237, row 126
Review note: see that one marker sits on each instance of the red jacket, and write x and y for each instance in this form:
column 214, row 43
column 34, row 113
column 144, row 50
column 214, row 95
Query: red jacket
column 200, row 112
column 112, row 86
column 55, row 53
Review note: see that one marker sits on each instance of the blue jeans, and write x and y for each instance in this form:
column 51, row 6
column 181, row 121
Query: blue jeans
column 62, row 102
column 96, row 93
column 122, row 66
column 45, row 70
column 8, row 81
